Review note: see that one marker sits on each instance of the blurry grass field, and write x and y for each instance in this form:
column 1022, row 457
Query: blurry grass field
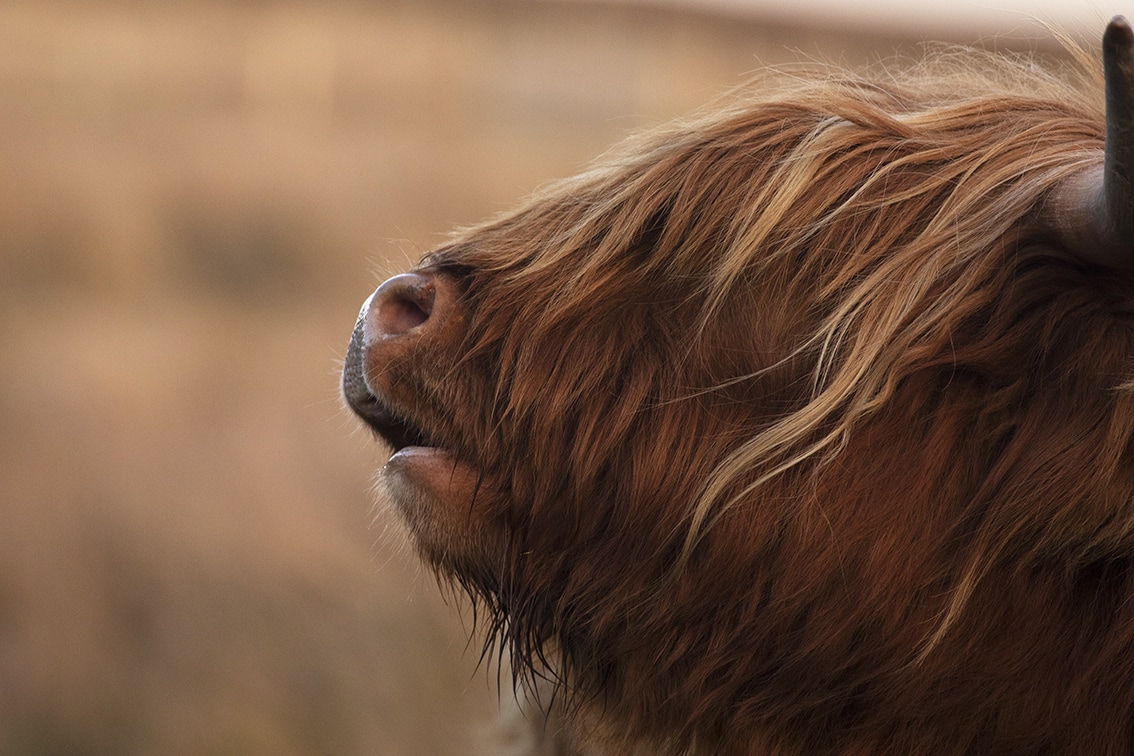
column 195, row 198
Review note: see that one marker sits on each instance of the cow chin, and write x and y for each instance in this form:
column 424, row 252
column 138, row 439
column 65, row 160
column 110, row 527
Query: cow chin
column 443, row 502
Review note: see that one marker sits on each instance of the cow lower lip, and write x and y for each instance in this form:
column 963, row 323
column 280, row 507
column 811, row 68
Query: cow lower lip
column 430, row 469
column 418, row 450
column 433, row 456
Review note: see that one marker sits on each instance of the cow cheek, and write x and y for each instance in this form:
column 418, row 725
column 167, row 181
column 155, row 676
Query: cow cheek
column 444, row 502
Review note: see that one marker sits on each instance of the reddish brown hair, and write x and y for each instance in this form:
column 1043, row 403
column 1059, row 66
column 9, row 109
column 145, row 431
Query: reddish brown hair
column 800, row 428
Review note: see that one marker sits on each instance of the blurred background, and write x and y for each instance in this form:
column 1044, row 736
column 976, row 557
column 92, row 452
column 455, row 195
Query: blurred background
column 195, row 199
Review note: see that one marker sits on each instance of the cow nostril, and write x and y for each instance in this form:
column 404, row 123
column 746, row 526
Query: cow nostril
column 400, row 305
column 400, row 315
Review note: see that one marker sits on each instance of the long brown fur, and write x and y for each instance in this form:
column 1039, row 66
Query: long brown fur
column 799, row 433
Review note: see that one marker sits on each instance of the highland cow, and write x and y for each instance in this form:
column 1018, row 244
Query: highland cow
column 805, row 426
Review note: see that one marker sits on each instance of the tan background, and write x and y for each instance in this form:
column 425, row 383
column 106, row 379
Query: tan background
column 195, row 198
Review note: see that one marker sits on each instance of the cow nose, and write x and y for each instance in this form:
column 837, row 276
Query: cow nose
column 400, row 305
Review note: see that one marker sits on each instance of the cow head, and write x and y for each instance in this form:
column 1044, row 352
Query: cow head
column 801, row 425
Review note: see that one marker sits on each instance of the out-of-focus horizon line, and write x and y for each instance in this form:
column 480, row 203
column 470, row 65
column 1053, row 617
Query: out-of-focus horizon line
column 937, row 19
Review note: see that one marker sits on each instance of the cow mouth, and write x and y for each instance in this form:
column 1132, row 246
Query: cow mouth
column 398, row 432
column 392, row 426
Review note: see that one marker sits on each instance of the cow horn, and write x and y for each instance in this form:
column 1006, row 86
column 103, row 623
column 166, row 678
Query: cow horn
column 1094, row 213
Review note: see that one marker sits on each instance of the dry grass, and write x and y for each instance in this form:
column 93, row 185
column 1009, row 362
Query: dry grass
column 194, row 200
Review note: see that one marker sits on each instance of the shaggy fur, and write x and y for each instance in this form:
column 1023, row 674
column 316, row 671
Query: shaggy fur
column 798, row 430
